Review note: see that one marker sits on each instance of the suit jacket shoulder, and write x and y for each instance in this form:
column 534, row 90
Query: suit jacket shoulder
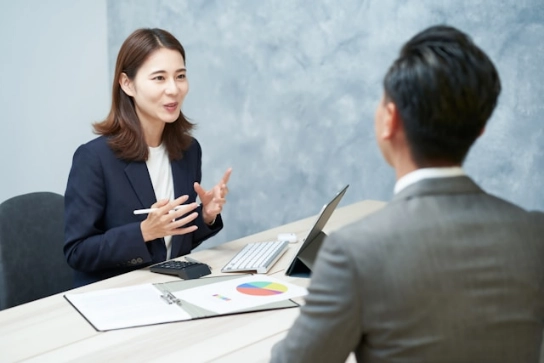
column 444, row 265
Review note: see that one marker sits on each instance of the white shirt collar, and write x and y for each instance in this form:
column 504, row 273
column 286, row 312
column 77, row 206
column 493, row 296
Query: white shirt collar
column 427, row 173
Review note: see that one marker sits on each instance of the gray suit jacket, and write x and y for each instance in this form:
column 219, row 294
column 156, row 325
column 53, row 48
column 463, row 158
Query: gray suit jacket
column 443, row 273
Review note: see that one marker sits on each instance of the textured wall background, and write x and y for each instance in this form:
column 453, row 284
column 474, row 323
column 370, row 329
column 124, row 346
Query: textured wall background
column 285, row 93
column 53, row 85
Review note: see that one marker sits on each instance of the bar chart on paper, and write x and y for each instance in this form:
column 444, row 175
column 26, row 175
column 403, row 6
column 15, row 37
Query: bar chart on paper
column 261, row 288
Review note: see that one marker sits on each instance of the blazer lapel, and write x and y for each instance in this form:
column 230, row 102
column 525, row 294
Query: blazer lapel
column 139, row 178
column 182, row 185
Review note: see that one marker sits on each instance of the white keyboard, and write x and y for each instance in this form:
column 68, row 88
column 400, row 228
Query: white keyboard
column 256, row 256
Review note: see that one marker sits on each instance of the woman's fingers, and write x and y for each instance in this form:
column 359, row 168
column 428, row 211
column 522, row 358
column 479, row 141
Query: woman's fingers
column 176, row 203
column 182, row 210
column 226, row 176
column 160, row 203
column 184, row 230
column 178, row 224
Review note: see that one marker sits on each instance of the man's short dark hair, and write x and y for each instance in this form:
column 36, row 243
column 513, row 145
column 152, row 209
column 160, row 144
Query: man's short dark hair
column 445, row 89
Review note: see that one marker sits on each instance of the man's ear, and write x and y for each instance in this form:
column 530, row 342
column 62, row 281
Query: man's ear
column 126, row 84
column 481, row 132
column 392, row 122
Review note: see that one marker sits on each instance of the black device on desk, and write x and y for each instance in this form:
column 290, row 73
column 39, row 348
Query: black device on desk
column 186, row 270
column 303, row 263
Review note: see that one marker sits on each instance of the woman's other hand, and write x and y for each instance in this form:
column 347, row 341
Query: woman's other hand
column 213, row 199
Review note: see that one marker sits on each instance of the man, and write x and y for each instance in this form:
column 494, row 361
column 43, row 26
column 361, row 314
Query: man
column 445, row 272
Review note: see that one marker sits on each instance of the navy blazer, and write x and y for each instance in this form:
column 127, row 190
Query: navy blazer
column 102, row 235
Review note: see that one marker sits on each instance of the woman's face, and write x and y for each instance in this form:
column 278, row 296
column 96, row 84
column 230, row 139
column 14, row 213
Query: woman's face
column 159, row 88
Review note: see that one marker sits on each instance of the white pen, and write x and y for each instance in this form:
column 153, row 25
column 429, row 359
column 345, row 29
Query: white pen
column 149, row 210
column 195, row 261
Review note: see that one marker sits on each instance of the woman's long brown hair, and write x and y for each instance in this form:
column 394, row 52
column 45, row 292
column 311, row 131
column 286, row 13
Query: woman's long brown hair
column 122, row 126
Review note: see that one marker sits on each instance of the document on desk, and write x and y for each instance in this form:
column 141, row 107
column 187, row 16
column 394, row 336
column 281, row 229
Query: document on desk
column 239, row 294
column 149, row 304
column 126, row 307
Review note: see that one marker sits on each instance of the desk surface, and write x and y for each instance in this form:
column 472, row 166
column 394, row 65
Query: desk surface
column 51, row 330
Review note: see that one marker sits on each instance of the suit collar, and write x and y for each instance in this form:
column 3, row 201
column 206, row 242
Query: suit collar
column 138, row 177
column 427, row 173
column 435, row 186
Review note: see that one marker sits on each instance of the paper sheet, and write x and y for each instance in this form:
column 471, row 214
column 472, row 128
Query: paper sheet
column 126, row 307
column 238, row 294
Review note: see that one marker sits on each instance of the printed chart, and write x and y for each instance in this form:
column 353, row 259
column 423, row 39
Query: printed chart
column 261, row 288
column 240, row 293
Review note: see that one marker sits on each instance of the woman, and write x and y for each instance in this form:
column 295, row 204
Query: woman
column 145, row 157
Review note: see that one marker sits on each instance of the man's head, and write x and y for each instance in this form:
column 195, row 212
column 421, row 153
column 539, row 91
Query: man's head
column 442, row 89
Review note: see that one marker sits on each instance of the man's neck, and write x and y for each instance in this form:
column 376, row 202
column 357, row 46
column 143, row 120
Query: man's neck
column 399, row 156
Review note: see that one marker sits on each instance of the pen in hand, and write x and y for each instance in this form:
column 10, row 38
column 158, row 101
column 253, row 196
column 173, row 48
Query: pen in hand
column 149, row 210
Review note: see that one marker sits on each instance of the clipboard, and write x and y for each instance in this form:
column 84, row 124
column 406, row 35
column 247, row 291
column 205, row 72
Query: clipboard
column 151, row 304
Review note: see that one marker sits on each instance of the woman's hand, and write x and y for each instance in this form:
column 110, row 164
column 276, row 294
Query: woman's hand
column 213, row 199
column 164, row 221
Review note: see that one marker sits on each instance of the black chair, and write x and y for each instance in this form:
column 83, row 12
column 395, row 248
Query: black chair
column 32, row 263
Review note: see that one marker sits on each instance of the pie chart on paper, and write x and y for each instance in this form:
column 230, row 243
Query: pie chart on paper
column 261, row 288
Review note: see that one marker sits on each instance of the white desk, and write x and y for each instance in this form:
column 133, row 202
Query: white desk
column 51, row 330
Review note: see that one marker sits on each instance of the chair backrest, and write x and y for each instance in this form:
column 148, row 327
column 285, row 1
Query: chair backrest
column 32, row 263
